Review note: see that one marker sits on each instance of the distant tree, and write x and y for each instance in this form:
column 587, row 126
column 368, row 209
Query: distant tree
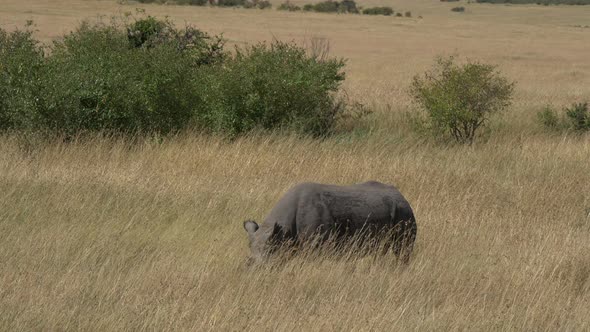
column 459, row 99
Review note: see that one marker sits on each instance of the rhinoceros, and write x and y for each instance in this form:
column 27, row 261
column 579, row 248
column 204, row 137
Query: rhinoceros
column 312, row 210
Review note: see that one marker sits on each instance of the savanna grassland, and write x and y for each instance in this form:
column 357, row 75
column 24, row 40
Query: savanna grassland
column 112, row 234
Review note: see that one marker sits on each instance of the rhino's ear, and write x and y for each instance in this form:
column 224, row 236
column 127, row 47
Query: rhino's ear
column 250, row 226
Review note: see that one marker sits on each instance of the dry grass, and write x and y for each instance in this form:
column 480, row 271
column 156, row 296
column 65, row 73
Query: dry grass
column 103, row 235
column 106, row 235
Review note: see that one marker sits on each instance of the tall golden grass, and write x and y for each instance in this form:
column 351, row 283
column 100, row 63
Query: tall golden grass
column 108, row 234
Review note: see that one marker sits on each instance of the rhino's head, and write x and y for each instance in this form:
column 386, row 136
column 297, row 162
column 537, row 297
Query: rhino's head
column 257, row 238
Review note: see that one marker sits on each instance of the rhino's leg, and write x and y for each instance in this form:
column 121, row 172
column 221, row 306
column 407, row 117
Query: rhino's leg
column 404, row 236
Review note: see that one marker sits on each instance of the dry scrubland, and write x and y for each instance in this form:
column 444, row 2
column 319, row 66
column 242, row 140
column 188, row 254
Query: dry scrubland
column 108, row 235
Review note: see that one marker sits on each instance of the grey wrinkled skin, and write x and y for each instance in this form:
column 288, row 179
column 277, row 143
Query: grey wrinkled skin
column 311, row 209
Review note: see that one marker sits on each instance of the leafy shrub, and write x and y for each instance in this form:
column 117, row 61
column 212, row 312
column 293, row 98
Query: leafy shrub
column 142, row 30
column 408, row 14
column 289, row 7
column 149, row 32
column 326, row 6
column 21, row 60
column 113, row 78
column 459, row 99
column 270, row 87
column 449, row 0
column 95, row 81
column 576, row 117
column 329, row 6
column 399, row 15
column 230, row 3
column 260, row 4
column 387, row 11
column 348, row 6
column 458, row 9
column 104, row 77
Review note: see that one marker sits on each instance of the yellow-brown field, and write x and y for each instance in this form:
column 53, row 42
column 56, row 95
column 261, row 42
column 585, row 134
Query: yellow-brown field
column 104, row 234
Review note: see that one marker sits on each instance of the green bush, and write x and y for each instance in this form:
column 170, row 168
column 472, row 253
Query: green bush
column 399, row 15
column 408, row 14
column 458, row 9
column 263, row 4
column 275, row 86
column 144, row 30
column 289, row 7
column 230, row 3
column 330, row 6
column 260, row 4
column 104, row 77
column 149, row 32
column 21, row 60
column 326, row 7
column 576, row 118
column 387, row 11
column 134, row 78
column 459, row 99
column 348, row 6
column 96, row 81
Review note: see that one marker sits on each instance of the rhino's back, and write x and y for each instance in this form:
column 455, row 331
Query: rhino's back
column 309, row 205
column 369, row 202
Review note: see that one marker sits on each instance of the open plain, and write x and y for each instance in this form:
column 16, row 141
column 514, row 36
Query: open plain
column 108, row 234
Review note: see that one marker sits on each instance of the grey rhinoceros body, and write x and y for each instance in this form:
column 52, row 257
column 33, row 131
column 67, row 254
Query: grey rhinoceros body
column 309, row 210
